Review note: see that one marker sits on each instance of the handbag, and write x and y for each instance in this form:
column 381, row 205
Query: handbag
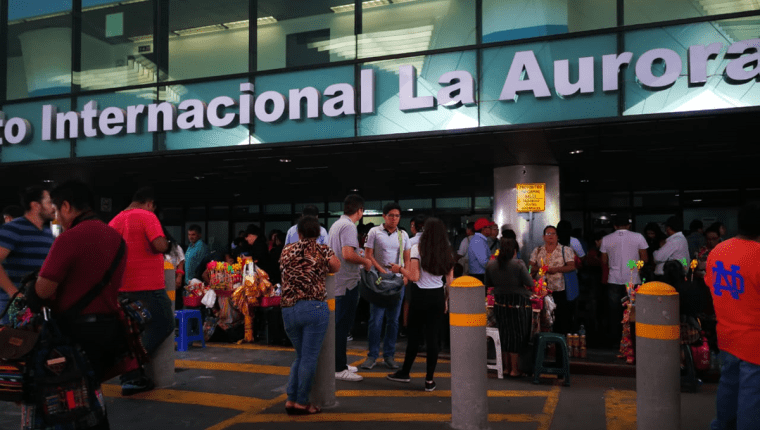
column 572, row 287
column 16, row 345
column 382, row 289
column 63, row 386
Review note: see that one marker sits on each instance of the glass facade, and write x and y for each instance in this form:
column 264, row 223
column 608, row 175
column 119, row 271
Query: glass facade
column 222, row 74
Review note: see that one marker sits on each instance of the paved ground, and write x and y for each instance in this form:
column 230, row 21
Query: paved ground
column 236, row 387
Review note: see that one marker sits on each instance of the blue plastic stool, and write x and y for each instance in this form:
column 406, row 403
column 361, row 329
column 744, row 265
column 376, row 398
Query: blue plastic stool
column 184, row 317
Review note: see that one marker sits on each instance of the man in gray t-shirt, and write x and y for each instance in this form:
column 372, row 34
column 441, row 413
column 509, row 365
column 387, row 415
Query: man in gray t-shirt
column 344, row 241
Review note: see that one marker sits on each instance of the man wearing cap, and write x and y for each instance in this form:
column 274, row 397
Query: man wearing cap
column 675, row 247
column 479, row 253
column 618, row 248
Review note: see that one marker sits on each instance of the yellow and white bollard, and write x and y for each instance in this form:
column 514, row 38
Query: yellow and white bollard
column 467, row 319
column 658, row 357
column 323, row 389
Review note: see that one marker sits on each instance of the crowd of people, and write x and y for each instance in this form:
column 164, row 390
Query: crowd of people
column 423, row 265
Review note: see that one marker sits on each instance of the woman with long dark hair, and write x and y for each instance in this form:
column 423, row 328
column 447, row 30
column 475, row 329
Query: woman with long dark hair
column 431, row 269
column 511, row 282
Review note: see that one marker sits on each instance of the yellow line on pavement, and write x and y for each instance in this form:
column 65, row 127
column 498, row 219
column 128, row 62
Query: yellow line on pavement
column 233, row 367
column 245, row 416
column 250, row 346
column 438, row 393
column 226, row 401
column 514, row 418
column 369, row 374
column 620, row 409
column 545, row 419
column 333, row 417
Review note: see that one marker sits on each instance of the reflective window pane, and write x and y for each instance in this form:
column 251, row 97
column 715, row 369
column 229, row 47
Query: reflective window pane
column 392, row 112
column 117, row 45
column 506, row 99
column 34, row 148
column 120, row 143
column 645, row 11
column 522, row 19
column 207, row 38
column 39, row 48
column 667, row 88
column 190, row 100
column 313, row 32
column 309, row 113
column 415, row 25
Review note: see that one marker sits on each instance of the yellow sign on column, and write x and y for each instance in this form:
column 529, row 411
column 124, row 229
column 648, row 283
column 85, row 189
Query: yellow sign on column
column 531, row 197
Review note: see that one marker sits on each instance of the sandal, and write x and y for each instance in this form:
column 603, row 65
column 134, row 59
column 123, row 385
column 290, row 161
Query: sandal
column 289, row 409
column 308, row 410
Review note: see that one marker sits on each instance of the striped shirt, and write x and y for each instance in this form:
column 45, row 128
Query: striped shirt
column 28, row 246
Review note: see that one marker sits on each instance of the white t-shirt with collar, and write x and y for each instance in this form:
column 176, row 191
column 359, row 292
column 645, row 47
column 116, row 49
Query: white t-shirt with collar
column 622, row 246
column 385, row 245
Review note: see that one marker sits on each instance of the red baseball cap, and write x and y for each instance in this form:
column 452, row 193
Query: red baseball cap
column 481, row 223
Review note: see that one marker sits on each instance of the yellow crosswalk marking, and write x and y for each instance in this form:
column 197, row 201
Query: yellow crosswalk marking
column 620, row 409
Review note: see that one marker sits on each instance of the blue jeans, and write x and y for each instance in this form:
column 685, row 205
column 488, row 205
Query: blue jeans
column 306, row 325
column 345, row 312
column 738, row 398
column 161, row 323
column 376, row 314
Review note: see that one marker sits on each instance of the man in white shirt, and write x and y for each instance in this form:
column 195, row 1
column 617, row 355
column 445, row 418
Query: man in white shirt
column 464, row 247
column 386, row 245
column 618, row 248
column 675, row 247
column 292, row 235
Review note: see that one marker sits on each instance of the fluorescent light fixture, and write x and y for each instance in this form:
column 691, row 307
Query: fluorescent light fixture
column 285, row 160
column 577, row 151
column 365, row 5
column 266, row 20
column 145, row 38
column 237, row 24
column 200, row 30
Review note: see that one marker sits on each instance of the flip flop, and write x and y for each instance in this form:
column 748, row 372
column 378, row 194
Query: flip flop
column 308, row 410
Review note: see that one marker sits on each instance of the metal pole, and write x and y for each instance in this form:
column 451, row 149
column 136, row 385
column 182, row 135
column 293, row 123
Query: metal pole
column 323, row 390
column 161, row 366
column 467, row 319
column 658, row 358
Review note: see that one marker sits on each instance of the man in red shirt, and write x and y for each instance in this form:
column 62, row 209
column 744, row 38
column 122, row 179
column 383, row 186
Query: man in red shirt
column 78, row 261
column 733, row 274
column 144, row 278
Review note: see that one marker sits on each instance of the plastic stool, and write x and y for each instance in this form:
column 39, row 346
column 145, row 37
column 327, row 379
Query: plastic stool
column 183, row 318
column 493, row 333
column 562, row 368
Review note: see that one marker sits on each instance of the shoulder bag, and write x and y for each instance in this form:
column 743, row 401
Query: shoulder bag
column 572, row 287
column 383, row 289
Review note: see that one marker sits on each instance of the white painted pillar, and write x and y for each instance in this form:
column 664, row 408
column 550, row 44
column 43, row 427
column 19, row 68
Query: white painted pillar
column 528, row 227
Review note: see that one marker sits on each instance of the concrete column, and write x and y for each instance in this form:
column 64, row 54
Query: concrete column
column 658, row 357
column 323, row 390
column 527, row 226
column 467, row 319
column 161, row 366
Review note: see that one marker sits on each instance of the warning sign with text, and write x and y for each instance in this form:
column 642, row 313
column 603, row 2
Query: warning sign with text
column 531, row 197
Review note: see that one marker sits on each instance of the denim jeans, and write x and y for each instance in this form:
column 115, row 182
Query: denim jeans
column 738, row 397
column 376, row 314
column 306, row 325
column 161, row 323
column 345, row 312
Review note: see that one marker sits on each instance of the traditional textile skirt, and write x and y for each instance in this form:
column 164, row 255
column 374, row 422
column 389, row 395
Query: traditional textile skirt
column 513, row 315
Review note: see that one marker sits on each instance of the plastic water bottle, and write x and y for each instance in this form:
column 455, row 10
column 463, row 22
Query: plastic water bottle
column 582, row 341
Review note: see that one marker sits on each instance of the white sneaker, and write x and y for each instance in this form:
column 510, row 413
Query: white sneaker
column 352, row 369
column 347, row 375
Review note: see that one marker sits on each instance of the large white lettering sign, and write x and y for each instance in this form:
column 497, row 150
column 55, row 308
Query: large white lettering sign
column 524, row 75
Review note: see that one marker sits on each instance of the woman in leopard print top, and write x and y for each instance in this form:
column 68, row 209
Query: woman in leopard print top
column 305, row 314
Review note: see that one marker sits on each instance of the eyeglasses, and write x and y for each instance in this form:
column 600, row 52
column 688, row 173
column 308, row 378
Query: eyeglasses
column 393, row 215
column 550, row 234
